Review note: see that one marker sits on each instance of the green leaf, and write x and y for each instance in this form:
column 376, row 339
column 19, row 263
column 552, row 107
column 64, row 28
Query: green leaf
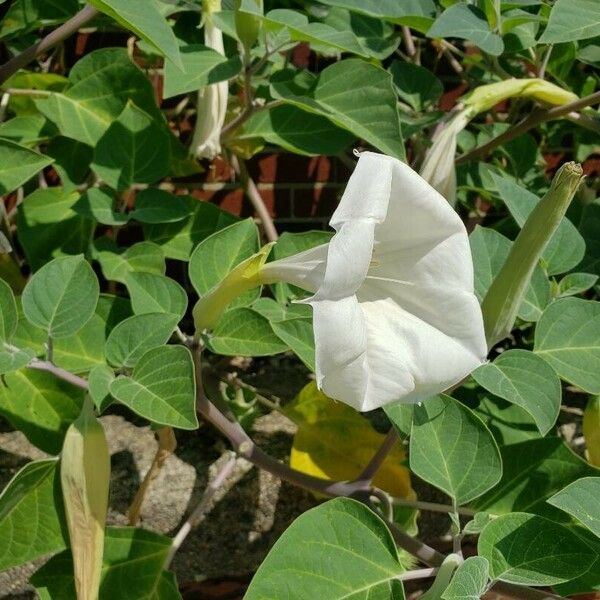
column 40, row 405
column 200, row 66
column 581, row 499
column 13, row 359
column 297, row 131
column 565, row 248
column 36, row 80
column 572, row 20
column 508, row 423
column 152, row 293
column 144, row 18
column 48, row 226
column 116, row 263
column 71, row 160
column 470, row 580
column 568, row 337
column 216, row 256
column 31, row 514
column 298, row 335
column 531, row 550
column 468, row 23
column 294, row 243
column 99, row 204
column 129, row 340
column 589, row 228
column 537, row 296
column 100, row 85
column 523, row 378
column 134, row 149
column 26, row 15
column 451, row 448
column 62, row 296
column 576, row 283
column 8, row 312
column 334, row 93
column 157, row 206
column 99, row 380
column 416, row 85
column 162, row 387
column 414, row 13
column 337, row 550
column 18, row 164
column 27, row 130
column 533, row 471
column 129, row 555
column 243, row 332
column 179, row 239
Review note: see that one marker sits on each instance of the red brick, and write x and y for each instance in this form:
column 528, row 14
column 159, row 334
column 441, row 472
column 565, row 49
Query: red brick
column 319, row 169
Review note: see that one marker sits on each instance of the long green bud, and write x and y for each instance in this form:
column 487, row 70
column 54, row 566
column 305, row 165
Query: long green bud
column 85, row 477
column 503, row 299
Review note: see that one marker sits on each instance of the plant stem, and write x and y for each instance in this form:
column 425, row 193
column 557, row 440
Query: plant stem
column 418, row 574
column 239, row 166
column 534, row 119
column 201, row 509
column 166, row 446
column 54, row 37
column 379, row 457
column 50, row 350
column 432, row 506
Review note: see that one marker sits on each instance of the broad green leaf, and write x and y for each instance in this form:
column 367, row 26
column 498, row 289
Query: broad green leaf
column 298, row 335
column 99, row 204
column 589, row 581
column 568, row 337
column 62, row 296
column 116, row 263
column 18, row 164
column 525, row 379
column 162, row 387
column 13, row 359
column 451, row 448
column 201, row 66
column 26, row 15
column 100, row 85
column 48, row 226
column 489, row 250
column 36, row 80
column 40, row 405
column 8, row 313
column 157, row 206
column 134, row 149
column 416, row 85
column 508, row 423
column 215, row 257
column 99, row 380
column 325, row 443
column 589, row 228
column 576, row 283
column 468, row 23
column 337, row 550
column 566, row 247
column 27, row 130
column 71, row 160
column 294, row 243
column 144, row 18
column 414, row 13
column 31, row 514
column 469, row 581
column 533, row 471
column 152, row 293
column 581, row 499
column 178, row 240
column 297, row 131
column 300, row 29
column 531, row 550
column 129, row 340
column 572, row 20
column 243, row 332
column 130, row 555
column 333, row 94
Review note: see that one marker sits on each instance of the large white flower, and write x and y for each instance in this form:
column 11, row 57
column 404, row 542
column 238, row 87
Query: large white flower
column 394, row 313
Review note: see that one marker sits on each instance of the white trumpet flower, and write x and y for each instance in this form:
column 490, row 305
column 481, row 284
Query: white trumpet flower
column 212, row 100
column 395, row 317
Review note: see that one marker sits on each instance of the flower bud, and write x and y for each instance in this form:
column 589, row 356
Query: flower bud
column 591, row 430
column 247, row 26
column 505, row 295
column 85, row 477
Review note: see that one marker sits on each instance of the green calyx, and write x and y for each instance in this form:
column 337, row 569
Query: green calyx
column 245, row 276
column 505, row 295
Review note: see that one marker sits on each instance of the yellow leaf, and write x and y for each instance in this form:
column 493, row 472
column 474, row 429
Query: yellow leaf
column 335, row 442
column 591, row 430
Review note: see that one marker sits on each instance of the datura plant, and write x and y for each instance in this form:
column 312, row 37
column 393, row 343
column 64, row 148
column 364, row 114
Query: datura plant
column 363, row 234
